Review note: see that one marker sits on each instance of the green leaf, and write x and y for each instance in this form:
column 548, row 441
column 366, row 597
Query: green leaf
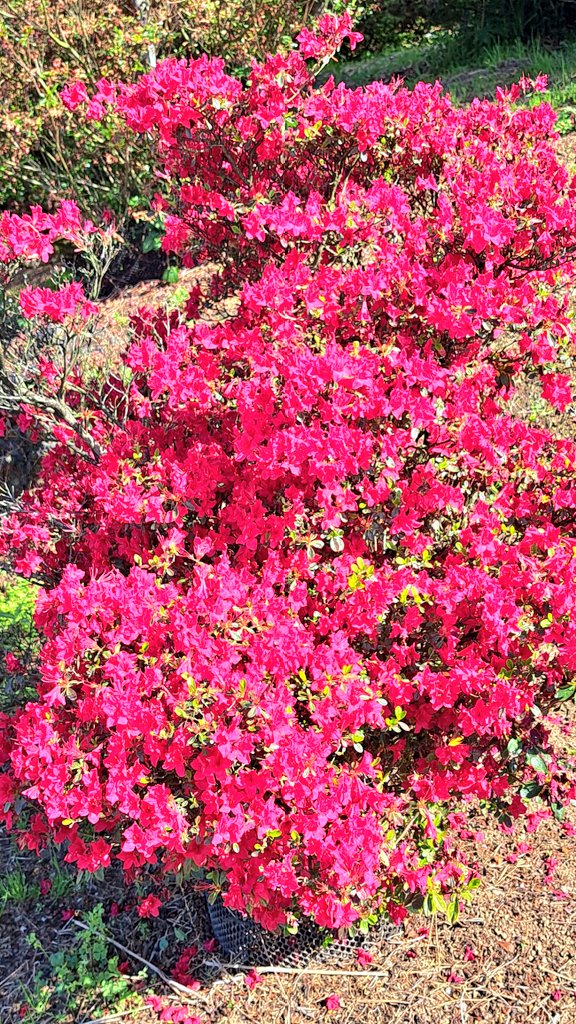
column 537, row 762
column 170, row 275
column 565, row 692
column 438, row 903
column 530, row 790
column 453, row 910
column 559, row 811
column 152, row 241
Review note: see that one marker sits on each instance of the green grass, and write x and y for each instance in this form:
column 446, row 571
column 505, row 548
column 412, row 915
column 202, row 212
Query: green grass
column 17, row 637
column 467, row 72
column 15, row 887
column 17, row 600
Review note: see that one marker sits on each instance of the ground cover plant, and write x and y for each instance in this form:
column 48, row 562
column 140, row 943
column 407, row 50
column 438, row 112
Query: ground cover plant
column 307, row 584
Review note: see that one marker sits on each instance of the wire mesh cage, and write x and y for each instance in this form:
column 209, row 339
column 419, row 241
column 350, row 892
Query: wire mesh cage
column 245, row 942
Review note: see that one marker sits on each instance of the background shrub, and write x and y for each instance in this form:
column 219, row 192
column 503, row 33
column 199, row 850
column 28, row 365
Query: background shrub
column 387, row 23
column 45, row 153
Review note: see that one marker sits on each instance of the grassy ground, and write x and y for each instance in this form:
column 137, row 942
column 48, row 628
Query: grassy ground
column 467, row 74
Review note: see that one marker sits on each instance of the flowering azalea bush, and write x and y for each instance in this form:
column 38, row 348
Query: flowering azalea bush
column 310, row 590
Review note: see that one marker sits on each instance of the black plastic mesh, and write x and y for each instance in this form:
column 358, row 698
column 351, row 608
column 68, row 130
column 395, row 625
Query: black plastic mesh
column 19, row 460
column 246, row 942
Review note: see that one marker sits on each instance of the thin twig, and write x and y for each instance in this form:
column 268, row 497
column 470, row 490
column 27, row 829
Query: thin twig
column 11, row 975
column 315, row 971
column 501, row 967
column 181, row 990
column 115, row 1016
column 557, row 974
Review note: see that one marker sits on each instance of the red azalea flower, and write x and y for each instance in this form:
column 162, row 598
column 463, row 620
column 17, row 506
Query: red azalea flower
column 149, row 907
column 364, row 958
column 252, row 979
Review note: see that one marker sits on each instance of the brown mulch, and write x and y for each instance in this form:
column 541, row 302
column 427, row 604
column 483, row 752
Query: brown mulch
column 509, row 960
column 113, row 329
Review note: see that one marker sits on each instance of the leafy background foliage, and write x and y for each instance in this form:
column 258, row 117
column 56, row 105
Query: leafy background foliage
column 46, row 154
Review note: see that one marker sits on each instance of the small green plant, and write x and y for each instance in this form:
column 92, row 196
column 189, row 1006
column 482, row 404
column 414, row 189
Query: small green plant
column 88, row 970
column 36, row 1005
column 16, row 888
column 62, row 881
column 84, row 979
